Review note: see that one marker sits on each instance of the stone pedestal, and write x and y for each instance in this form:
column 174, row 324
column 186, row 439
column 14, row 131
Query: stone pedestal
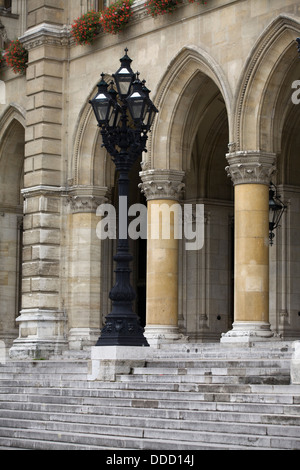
column 295, row 364
column 41, row 334
column 109, row 361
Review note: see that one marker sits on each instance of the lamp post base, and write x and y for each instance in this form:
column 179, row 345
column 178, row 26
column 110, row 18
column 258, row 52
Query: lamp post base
column 122, row 331
column 107, row 362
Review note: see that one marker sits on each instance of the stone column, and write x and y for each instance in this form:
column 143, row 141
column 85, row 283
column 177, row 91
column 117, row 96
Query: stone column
column 162, row 187
column 42, row 320
column 251, row 174
column 84, row 260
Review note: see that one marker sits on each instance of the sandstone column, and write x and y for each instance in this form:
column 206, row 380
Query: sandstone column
column 162, row 189
column 42, row 320
column 84, row 260
column 251, row 173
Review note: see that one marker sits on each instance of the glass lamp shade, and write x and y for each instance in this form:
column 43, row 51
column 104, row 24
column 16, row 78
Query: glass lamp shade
column 124, row 76
column 150, row 115
column 116, row 114
column 150, row 109
column 137, row 102
column 103, row 104
column 276, row 209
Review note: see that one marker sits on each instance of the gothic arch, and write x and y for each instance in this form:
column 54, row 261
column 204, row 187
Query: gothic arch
column 11, row 113
column 181, row 100
column 259, row 110
column 12, row 142
column 90, row 164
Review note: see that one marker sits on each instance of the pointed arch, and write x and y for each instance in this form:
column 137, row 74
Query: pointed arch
column 14, row 112
column 12, row 150
column 90, row 164
column 265, row 74
column 192, row 81
column 12, row 142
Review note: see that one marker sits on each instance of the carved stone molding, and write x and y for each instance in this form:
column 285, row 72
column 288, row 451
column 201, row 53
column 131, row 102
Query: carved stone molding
column 45, row 33
column 162, row 184
column 86, row 199
column 251, row 167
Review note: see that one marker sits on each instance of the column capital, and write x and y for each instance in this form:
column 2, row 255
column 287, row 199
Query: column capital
column 162, row 184
column 86, row 199
column 251, row 167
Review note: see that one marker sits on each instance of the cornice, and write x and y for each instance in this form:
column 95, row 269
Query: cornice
column 46, row 33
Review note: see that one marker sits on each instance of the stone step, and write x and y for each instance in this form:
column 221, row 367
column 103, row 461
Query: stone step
column 142, row 416
column 159, row 398
column 45, row 366
column 134, row 426
column 249, row 377
column 223, row 371
column 181, row 363
column 149, row 382
column 162, row 409
column 189, row 397
column 138, row 438
column 259, row 348
column 65, row 376
column 22, row 441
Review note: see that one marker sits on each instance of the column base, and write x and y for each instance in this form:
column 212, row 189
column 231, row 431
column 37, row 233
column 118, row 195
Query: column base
column 81, row 338
column 161, row 334
column 36, row 349
column 249, row 332
column 41, row 335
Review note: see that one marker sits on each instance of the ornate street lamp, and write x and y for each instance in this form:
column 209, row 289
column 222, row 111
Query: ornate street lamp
column 276, row 210
column 125, row 118
column 298, row 41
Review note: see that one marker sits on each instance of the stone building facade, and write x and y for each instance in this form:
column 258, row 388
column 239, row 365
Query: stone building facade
column 224, row 79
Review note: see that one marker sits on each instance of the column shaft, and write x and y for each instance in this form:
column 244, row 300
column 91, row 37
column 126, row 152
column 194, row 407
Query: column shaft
column 251, row 173
column 162, row 271
column 85, row 261
column 252, row 253
column 162, row 189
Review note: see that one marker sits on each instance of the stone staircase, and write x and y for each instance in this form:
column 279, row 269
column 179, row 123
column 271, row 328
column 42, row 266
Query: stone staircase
column 188, row 397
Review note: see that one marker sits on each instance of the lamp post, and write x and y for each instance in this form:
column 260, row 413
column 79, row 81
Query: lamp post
column 125, row 117
column 276, row 210
column 298, row 43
